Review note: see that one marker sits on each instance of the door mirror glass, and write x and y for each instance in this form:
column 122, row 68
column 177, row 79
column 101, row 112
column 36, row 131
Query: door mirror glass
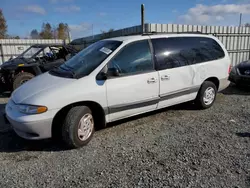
column 101, row 76
column 113, row 72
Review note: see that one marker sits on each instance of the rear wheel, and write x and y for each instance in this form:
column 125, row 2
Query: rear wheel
column 78, row 127
column 21, row 78
column 207, row 95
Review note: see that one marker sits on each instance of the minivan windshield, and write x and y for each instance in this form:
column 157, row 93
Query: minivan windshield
column 87, row 60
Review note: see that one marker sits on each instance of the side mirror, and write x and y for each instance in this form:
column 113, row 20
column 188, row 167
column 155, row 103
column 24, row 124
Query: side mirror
column 113, row 72
column 101, row 76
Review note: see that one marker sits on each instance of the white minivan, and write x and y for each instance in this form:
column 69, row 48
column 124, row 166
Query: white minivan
column 117, row 78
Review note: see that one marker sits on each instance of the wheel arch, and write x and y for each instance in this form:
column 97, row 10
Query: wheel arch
column 199, row 97
column 215, row 80
column 96, row 108
column 35, row 70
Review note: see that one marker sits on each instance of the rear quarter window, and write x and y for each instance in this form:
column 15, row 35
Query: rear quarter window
column 182, row 51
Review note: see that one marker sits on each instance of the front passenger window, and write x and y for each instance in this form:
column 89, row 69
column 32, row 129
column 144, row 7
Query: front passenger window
column 134, row 58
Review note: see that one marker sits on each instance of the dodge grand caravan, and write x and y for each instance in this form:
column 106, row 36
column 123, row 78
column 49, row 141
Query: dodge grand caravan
column 117, row 78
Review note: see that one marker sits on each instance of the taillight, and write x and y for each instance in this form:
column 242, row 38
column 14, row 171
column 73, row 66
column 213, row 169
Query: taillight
column 230, row 68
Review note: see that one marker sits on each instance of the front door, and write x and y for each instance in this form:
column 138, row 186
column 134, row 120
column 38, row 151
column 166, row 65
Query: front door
column 136, row 88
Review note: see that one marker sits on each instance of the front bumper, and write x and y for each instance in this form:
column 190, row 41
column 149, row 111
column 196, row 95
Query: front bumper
column 240, row 79
column 32, row 127
column 32, row 130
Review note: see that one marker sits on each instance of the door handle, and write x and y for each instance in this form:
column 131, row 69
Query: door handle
column 165, row 77
column 151, row 80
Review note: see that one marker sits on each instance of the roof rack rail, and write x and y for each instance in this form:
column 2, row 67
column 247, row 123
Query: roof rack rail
column 185, row 32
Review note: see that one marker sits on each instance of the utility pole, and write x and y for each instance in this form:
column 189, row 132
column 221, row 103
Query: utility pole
column 240, row 19
column 238, row 39
column 142, row 18
column 93, row 31
column 69, row 35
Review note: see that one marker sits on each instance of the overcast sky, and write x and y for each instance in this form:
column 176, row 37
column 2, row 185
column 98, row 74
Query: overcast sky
column 81, row 15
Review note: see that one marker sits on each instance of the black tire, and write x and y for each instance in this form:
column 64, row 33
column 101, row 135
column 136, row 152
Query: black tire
column 21, row 78
column 71, row 124
column 199, row 101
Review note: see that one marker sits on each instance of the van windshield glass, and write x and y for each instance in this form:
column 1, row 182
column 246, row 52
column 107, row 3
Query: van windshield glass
column 87, row 60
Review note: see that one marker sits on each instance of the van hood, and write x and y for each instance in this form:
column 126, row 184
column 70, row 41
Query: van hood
column 38, row 84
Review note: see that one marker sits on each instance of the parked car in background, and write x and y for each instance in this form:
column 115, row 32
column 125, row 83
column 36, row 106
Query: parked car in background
column 117, row 78
column 36, row 60
column 240, row 74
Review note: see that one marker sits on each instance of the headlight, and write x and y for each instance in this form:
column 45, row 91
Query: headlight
column 234, row 70
column 30, row 109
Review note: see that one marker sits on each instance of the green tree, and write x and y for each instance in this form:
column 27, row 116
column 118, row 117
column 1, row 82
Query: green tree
column 3, row 25
column 247, row 25
column 54, row 31
column 11, row 36
column 62, row 31
column 106, row 34
column 34, row 34
column 46, row 32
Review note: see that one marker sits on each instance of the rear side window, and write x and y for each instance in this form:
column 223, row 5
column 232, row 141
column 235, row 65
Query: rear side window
column 182, row 51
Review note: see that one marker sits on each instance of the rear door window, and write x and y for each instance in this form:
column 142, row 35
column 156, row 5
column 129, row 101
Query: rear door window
column 182, row 51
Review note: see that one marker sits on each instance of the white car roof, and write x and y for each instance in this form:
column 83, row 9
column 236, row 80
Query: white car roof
column 145, row 36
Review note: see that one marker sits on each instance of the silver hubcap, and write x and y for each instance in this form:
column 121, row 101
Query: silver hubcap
column 209, row 96
column 85, row 127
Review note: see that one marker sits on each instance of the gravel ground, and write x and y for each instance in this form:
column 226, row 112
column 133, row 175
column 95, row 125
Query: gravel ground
column 174, row 147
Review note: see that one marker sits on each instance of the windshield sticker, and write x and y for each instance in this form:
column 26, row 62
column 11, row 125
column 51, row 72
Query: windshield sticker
column 106, row 50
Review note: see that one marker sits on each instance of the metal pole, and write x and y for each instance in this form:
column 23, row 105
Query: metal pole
column 93, row 31
column 142, row 18
column 69, row 36
column 238, row 41
column 240, row 19
column 2, row 55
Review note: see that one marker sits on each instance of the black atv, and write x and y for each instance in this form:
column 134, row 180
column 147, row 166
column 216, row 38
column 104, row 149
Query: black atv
column 36, row 60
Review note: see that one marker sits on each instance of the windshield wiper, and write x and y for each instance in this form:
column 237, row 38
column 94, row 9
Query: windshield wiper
column 69, row 69
column 67, row 66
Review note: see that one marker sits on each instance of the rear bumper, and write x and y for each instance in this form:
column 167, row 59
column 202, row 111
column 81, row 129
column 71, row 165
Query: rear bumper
column 224, row 83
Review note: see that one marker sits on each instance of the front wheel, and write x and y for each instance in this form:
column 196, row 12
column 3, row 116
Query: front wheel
column 78, row 127
column 207, row 95
column 21, row 78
